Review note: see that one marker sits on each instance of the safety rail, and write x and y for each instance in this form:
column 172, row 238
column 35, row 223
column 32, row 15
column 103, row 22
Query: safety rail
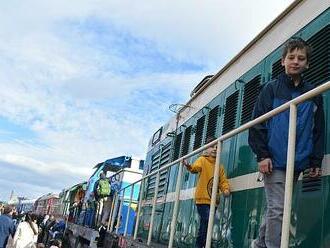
column 292, row 105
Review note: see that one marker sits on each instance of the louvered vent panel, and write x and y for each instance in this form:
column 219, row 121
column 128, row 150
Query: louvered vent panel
column 251, row 92
column 152, row 180
column 319, row 71
column 311, row 184
column 177, row 145
column 159, row 159
column 230, row 113
column 165, row 159
column 199, row 132
column 186, row 141
column 277, row 69
column 212, row 122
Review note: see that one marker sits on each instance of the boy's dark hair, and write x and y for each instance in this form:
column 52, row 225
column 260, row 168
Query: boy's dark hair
column 296, row 43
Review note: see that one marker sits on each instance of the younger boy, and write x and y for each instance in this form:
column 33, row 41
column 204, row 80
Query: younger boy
column 269, row 141
column 204, row 166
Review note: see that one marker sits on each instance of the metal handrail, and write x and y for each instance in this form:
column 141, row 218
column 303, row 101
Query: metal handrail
column 289, row 175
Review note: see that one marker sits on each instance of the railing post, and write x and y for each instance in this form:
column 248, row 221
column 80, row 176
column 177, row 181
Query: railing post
column 128, row 210
column 115, row 211
column 139, row 209
column 111, row 211
column 119, row 211
column 214, row 195
column 176, row 205
column 289, row 177
column 154, row 201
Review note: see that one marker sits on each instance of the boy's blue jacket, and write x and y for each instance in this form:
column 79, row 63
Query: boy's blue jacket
column 270, row 139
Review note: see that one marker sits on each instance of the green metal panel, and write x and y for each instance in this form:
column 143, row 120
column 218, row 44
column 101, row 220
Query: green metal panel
column 308, row 218
column 244, row 159
column 228, row 147
column 326, row 213
column 326, row 101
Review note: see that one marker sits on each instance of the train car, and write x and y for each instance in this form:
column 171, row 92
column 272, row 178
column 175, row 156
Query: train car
column 221, row 103
column 26, row 205
column 48, row 204
column 71, row 202
column 84, row 213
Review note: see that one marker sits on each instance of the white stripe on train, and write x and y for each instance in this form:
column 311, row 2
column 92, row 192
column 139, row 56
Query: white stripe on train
column 240, row 183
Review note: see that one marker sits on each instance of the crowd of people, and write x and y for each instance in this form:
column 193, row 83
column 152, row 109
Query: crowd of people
column 28, row 230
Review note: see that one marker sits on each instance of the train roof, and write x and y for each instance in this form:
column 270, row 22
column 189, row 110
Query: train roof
column 115, row 164
column 48, row 196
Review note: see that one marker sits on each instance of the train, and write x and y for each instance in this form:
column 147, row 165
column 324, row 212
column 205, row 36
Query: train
column 78, row 206
column 219, row 104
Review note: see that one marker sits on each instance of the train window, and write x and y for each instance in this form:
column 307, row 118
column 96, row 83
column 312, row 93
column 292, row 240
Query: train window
column 141, row 164
column 157, row 135
column 251, row 92
column 212, row 122
column 199, row 132
column 186, row 141
column 177, row 145
column 319, row 71
column 230, row 112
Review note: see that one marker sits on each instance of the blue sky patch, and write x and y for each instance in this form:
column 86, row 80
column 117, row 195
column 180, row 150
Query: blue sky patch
column 140, row 55
column 10, row 131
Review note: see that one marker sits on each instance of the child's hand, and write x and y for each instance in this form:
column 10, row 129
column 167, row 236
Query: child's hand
column 315, row 172
column 226, row 192
column 185, row 163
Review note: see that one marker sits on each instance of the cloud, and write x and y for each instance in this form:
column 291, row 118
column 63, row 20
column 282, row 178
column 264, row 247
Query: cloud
column 84, row 81
column 31, row 183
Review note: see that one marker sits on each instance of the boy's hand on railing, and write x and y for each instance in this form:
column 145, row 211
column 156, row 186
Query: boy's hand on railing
column 186, row 164
column 315, row 172
column 265, row 166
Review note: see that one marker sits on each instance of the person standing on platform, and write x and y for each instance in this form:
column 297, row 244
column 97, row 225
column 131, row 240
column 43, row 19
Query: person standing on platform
column 102, row 191
column 204, row 166
column 269, row 140
column 26, row 234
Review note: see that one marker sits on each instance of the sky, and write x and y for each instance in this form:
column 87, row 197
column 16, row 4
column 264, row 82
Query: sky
column 84, row 81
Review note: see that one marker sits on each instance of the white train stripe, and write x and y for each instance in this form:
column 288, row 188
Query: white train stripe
column 240, row 183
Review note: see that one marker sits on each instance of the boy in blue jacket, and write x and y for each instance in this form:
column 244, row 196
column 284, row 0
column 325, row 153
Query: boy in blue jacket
column 269, row 140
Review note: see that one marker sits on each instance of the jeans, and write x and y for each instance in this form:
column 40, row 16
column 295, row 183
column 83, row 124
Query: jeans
column 271, row 226
column 203, row 212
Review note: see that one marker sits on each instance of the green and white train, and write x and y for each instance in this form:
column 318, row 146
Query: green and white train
column 222, row 103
